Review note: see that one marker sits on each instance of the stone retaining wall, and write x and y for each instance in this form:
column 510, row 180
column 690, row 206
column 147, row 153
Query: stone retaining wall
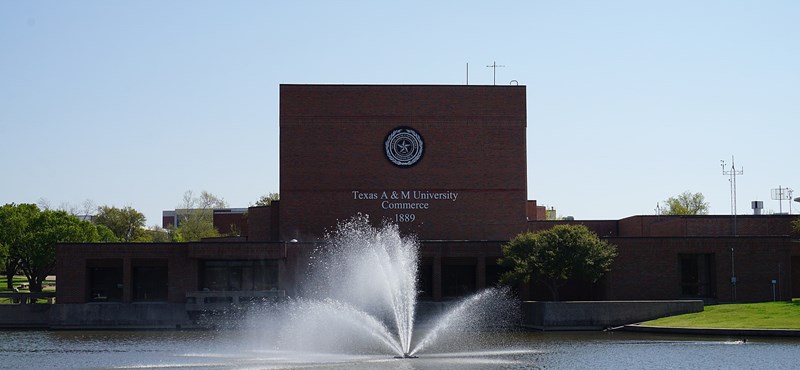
column 594, row 315
column 119, row 316
column 25, row 316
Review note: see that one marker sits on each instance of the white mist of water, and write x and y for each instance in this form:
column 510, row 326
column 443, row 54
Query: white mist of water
column 361, row 297
column 490, row 309
column 372, row 269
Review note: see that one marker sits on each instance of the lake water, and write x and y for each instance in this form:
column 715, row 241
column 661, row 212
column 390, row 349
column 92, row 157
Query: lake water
column 523, row 350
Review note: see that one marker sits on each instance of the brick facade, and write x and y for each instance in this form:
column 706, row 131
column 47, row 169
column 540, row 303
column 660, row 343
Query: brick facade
column 649, row 267
column 181, row 259
column 332, row 154
column 649, row 250
column 333, row 166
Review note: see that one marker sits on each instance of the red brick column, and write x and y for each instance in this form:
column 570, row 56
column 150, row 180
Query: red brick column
column 127, row 280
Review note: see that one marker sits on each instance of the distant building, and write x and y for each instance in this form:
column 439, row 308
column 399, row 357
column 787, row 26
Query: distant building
column 224, row 220
column 448, row 164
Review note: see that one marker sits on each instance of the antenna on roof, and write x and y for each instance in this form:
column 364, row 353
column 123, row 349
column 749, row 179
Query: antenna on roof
column 732, row 173
column 494, row 68
column 780, row 194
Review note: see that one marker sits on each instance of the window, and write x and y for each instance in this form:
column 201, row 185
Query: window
column 458, row 277
column 150, row 280
column 105, row 280
column 235, row 275
column 697, row 275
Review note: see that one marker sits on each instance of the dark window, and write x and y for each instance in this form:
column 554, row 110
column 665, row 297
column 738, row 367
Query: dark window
column 223, row 275
column 795, row 276
column 493, row 272
column 150, row 281
column 105, row 280
column 697, row 274
column 458, row 279
column 425, row 281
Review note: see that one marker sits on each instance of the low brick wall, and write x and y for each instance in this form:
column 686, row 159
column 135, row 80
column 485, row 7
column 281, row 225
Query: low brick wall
column 595, row 315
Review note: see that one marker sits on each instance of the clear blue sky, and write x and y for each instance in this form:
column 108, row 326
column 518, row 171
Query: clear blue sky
column 131, row 103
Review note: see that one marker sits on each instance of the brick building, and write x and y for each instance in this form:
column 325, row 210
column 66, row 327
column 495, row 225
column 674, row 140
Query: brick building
column 469, row 182
column 448, row 164
column 225, row 220
column 672, row 257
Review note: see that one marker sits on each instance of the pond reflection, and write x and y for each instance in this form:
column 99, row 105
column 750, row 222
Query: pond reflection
column 522, row 350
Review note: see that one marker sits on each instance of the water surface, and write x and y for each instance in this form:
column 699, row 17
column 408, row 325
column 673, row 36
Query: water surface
column 525, row 350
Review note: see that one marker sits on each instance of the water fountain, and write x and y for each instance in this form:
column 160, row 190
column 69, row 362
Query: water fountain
column 361, row 296
column 357, row 312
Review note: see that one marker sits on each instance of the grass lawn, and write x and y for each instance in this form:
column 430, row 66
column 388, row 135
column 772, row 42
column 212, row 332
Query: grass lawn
column 48, row 286
column 768, row 315
column 18, row 280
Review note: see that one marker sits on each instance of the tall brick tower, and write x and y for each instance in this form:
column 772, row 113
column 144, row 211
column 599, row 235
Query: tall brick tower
column 444, row 162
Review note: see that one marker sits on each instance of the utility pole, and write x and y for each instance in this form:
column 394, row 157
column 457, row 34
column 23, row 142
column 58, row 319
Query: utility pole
column 733, row 172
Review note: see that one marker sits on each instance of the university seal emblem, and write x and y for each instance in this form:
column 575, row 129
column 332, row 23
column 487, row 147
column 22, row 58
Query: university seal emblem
column 404, row 147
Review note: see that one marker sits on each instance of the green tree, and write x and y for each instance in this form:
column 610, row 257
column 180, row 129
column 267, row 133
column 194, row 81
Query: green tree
column 31, row 236
column 686, row 203
column 15, row 221
column 4, row 265
column 196, row 217
column 267, row 199
column 105, row 235
column 796, row 225
column 555, row 256
column 127, row 224
column 158, row 234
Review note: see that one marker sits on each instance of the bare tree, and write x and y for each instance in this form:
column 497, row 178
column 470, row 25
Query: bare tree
column 44, row 203
column 196, row 216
